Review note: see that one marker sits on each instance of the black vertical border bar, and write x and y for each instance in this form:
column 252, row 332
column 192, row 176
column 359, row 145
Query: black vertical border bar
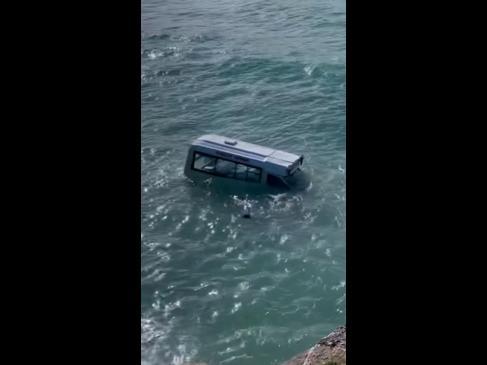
column 136, row 188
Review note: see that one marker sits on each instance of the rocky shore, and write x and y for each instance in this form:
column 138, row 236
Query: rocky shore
column 330, row 350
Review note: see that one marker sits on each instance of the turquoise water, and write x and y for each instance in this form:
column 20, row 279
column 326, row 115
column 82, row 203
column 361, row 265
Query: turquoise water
column 217, row 288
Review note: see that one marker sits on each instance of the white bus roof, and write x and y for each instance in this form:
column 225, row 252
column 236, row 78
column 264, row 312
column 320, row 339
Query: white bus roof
column 273, row 161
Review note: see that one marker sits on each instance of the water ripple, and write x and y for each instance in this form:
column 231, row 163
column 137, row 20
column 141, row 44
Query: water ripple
column 217, row 288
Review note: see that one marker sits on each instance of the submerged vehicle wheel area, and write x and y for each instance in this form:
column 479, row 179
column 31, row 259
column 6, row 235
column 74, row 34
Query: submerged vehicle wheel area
column 241, row 163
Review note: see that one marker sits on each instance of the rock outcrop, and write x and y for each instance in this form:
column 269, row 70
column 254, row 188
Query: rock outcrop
column 330, row 350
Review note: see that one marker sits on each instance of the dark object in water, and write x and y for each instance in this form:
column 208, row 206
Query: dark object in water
column 246, row 210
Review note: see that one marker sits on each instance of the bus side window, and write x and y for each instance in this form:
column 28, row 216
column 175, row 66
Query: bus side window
column 241, row 172
column 204, row 163
column 225, row 168
column 253, row 174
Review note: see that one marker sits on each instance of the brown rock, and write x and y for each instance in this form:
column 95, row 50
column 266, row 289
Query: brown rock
column 330, row 350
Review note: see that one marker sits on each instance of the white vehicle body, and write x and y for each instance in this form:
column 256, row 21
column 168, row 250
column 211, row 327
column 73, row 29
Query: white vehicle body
column 221, row 157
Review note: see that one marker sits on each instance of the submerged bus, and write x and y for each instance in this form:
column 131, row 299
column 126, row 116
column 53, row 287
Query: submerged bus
column 214, row 156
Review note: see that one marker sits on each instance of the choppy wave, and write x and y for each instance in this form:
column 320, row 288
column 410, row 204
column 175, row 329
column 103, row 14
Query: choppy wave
column 217, row 288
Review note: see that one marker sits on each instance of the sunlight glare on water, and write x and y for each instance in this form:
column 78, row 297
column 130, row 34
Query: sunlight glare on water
column 217, row 288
